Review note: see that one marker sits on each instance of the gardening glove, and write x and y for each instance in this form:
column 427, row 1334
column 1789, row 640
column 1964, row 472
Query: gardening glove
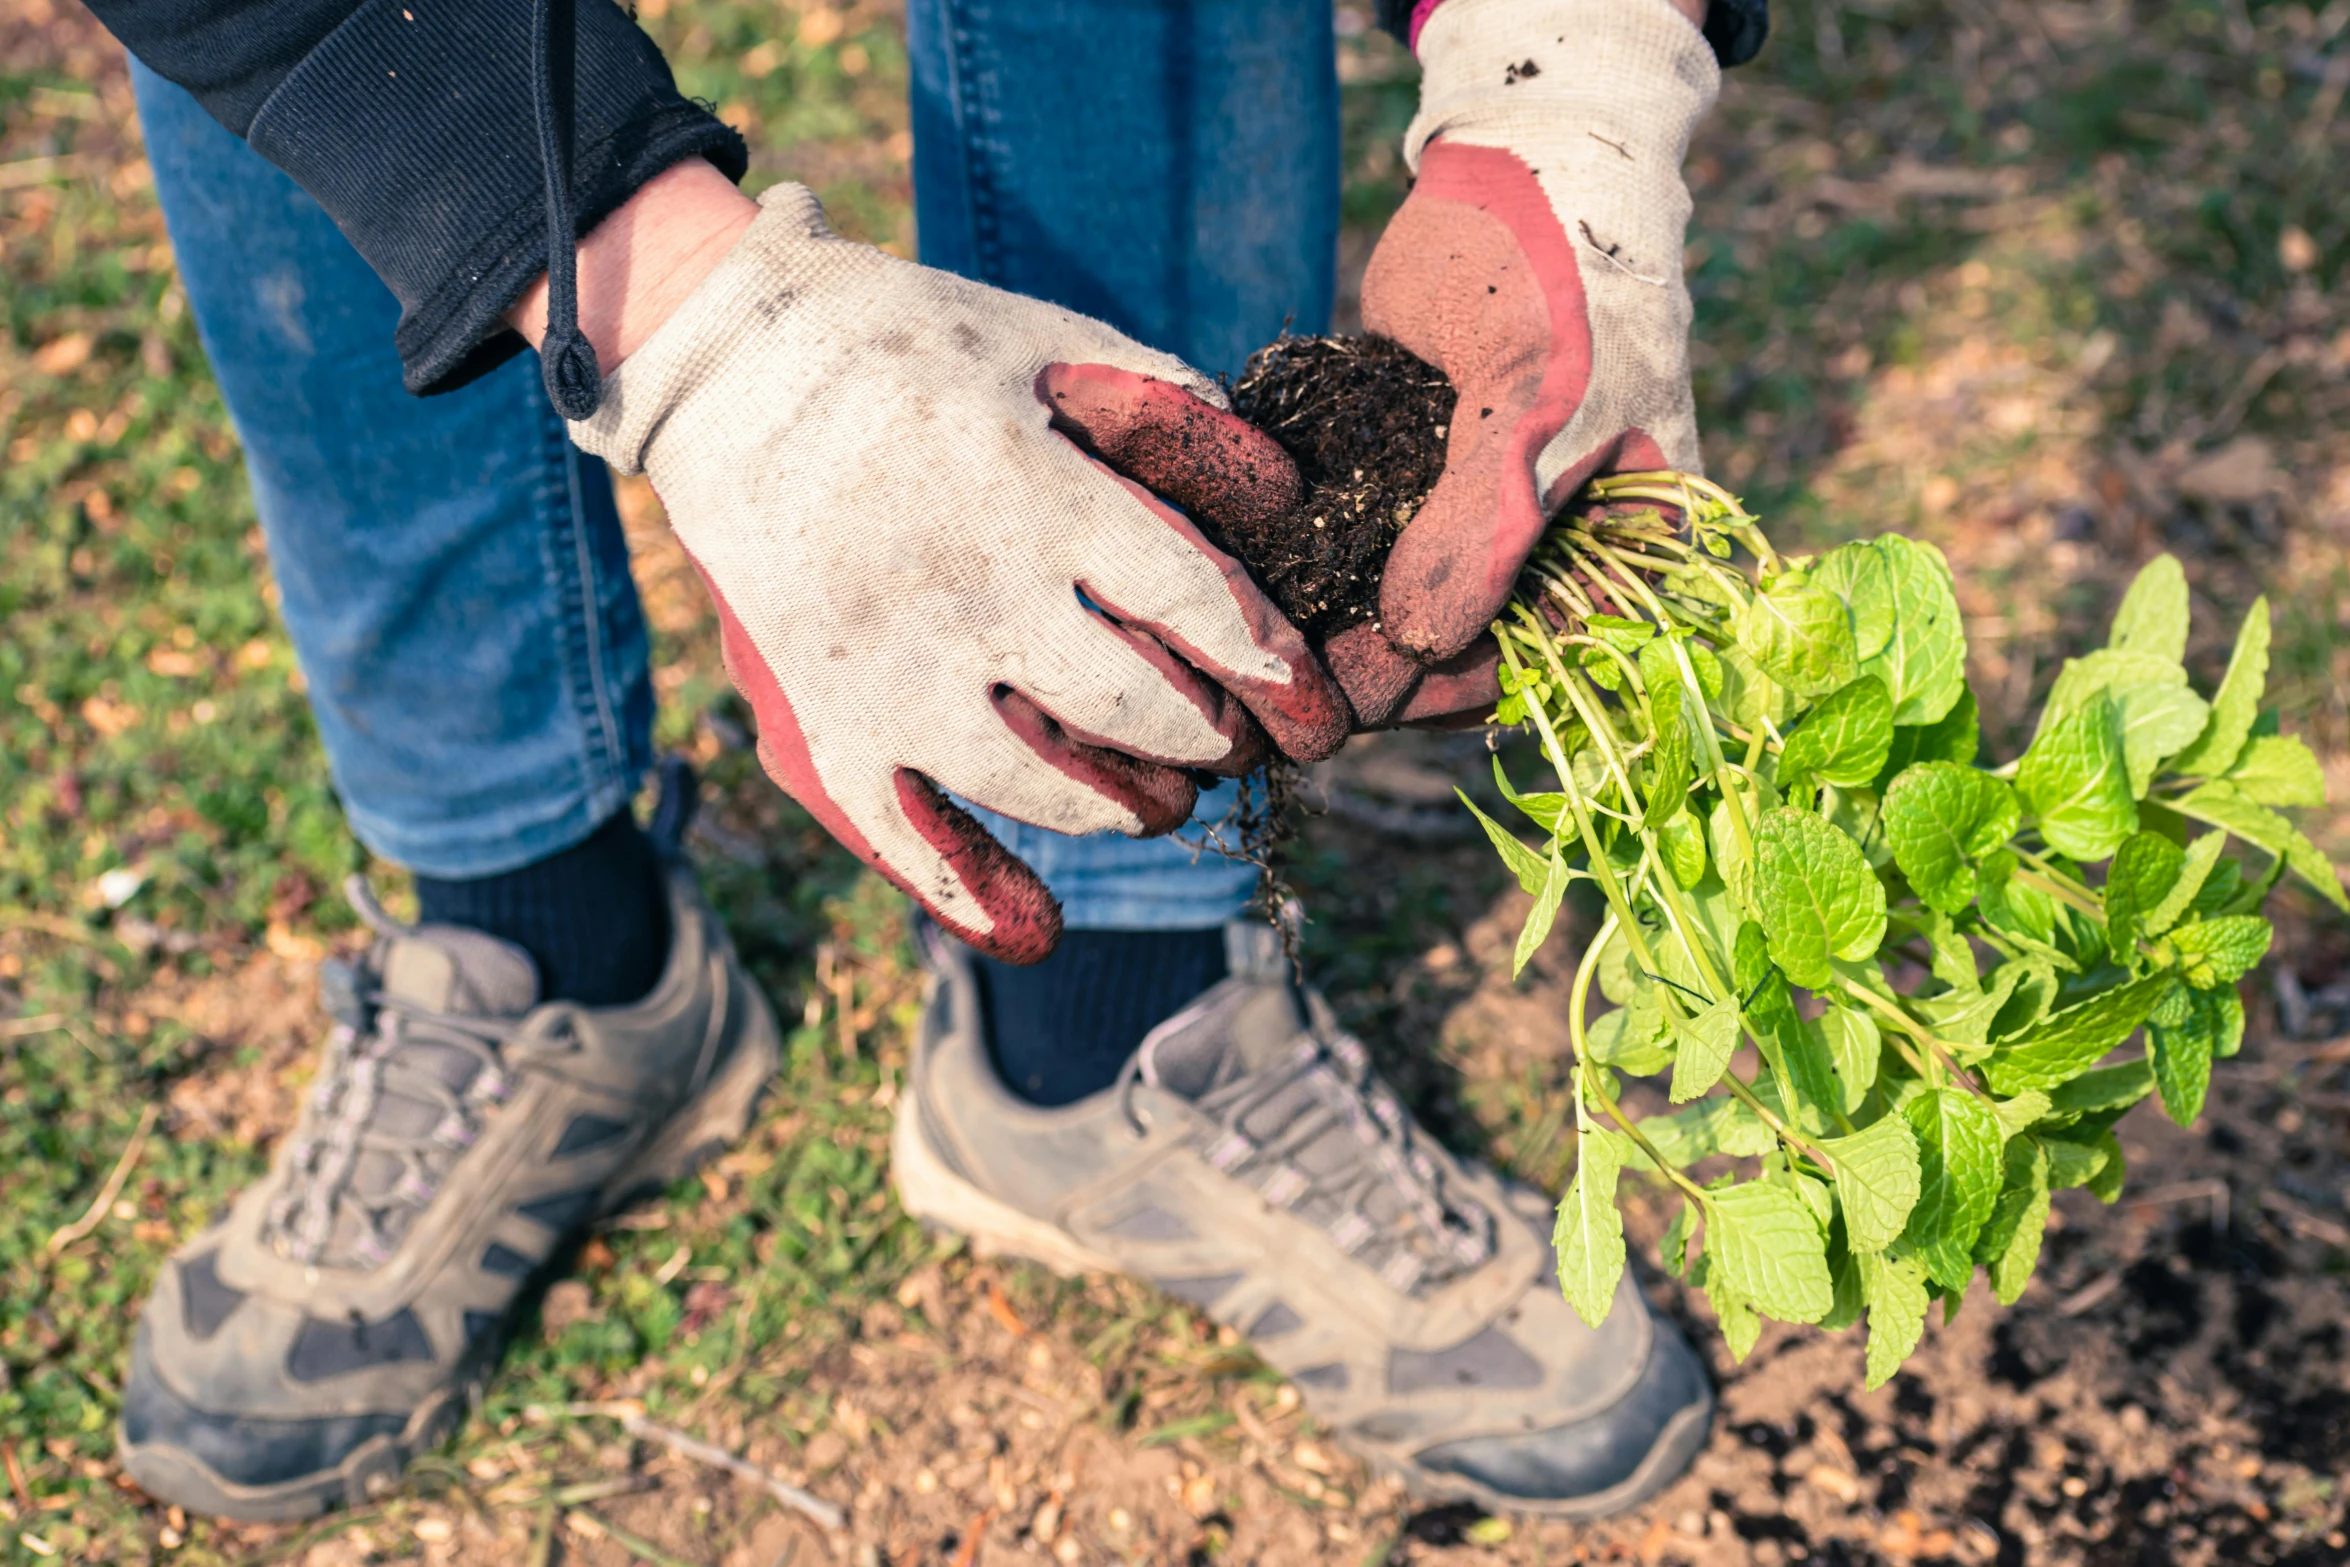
column 1537, row 262
column 924, row 508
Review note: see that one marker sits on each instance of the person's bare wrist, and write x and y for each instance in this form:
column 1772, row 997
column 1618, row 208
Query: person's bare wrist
column 1694, row 10
column 639, row 264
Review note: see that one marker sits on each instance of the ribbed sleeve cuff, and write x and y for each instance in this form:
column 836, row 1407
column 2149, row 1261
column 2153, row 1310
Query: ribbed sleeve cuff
column 412, row 125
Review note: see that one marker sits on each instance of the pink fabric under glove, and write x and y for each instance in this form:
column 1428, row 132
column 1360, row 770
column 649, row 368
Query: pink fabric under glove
column 1537, row 262
column 897, row 483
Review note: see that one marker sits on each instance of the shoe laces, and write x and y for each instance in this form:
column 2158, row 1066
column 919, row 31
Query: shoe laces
column 1316, row 1132
column 369, row 1065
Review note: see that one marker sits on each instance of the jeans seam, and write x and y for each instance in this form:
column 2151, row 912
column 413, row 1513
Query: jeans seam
column 575, row 586
column 975, row 124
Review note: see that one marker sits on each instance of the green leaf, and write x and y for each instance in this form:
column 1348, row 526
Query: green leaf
column 1709, row 1127
column 2105, row 1088
column 2156, row 721
column 2229, row 1026
column 1964, row 1017
column 1895, row 1289
column 2182, row 1057
column 1617, row 979
column 1858, row 574
column 1800, row 636
column 1532, row 869
column 2107, row 1181
column 2108, row 669
column 2010, row 1243
column 1923, row 664
column 1956, row 737
column 2278, row 770
column 1630, row 1038
column 2145, row 868
column 1923, row 658
column 1749, row 695
column 2010, row 907
column 2072, row 1164
column 1543, row 810
column 2220, row 951
column 1768, row 1249
column 1814, row 1191
column 1683, row 843
column 2160, row 712
column 1675, row 1245
column 1940, row 818
column 1731, row 856
column 2034, row 994
column 2238, row 702
column 1959, row 1142
column 1589, row 1236
column 1670, row 763
column 1855, row 1049
column 1876, row 1178
column 2222, row 804
column 2060, row 1046
column 1619, row 631
column 1545, row 910
column 1740, row 1326
column 1843, row 740
column 2075, row 780
column 1703, row 1046
column 1818, row 898
column 2153, row 616
column 1844, row 1272
column 2020, row 1112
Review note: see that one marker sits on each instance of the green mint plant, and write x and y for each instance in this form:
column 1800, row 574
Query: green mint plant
column 1771, row 774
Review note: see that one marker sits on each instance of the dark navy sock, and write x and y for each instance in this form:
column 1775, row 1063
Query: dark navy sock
column 594, row 917
column 1063, row 1029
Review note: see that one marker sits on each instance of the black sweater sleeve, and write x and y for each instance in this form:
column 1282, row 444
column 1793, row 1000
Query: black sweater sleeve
column 412, row 123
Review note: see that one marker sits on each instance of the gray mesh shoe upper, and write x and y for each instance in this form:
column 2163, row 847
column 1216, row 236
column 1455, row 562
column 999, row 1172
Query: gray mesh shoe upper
column 302, row 1349
column 1250, row 1162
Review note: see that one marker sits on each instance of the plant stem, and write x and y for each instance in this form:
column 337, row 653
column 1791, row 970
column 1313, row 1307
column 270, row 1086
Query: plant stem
column 1587, row 1083
column 1787, row 1134
column 1938, row 1056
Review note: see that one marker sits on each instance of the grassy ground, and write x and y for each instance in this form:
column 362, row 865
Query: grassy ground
column 2057, row 285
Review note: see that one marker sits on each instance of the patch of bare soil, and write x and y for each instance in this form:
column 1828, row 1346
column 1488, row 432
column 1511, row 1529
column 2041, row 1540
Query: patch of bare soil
column 259, row 1027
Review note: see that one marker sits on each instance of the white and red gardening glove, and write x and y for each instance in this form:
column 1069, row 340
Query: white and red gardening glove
column 925, row 508
column 1537, row 262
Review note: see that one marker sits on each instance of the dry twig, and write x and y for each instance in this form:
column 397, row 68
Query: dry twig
column 111, row 1190
column 633, row 1421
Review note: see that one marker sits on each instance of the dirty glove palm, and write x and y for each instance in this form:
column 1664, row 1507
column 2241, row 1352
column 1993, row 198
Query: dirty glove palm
column 1537, row 262
column 899, row 486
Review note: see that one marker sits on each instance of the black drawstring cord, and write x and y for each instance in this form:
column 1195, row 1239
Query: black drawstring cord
column 566, row 359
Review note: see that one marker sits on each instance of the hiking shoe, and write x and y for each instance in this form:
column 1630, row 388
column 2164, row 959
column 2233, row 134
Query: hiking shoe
column 1249, row 1162
column 340, row 1318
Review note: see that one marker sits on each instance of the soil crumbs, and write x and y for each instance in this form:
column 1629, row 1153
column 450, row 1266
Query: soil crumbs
column 1366, row 421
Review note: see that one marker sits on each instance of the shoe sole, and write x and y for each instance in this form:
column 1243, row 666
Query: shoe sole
column 706, row 1126
column 935, row 1196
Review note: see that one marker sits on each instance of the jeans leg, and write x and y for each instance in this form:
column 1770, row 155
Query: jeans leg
column 1171, row 167
column 452, row 569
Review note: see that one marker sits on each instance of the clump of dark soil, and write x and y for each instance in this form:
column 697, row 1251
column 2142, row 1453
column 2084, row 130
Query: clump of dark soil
column 1366, row 422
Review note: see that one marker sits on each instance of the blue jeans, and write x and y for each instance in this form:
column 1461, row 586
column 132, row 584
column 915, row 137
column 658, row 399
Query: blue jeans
column 452, row 570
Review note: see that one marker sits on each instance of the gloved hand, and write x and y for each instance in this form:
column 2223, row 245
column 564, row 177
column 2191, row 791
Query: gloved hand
column 897, row 484
column 1537, row 262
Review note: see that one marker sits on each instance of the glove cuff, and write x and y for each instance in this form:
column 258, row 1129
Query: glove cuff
column 1547, row 78
column 786, row 255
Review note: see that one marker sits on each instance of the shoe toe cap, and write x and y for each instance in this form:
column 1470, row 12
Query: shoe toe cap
column 1636, row 1445
column 240, row 1449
